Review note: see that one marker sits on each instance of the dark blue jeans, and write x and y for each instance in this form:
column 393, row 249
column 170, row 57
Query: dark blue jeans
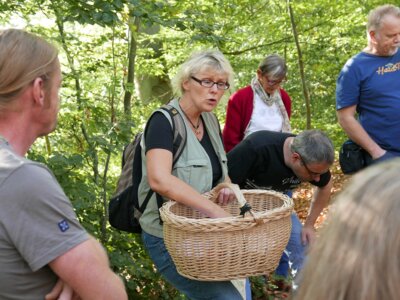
column 294, row 253
column 196, row 290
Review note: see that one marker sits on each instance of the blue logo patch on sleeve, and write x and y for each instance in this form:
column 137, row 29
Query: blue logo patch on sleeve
column 63, row 225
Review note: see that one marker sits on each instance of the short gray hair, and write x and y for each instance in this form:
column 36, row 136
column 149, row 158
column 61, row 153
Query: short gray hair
column 273, row 66
column 314, row 146
column 376, row 15
column 199, row 61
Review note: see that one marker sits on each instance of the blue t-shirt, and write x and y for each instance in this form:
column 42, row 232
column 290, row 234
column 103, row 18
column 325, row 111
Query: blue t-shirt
column 373, row 84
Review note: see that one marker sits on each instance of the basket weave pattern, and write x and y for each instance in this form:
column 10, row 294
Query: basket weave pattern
column 228, row 248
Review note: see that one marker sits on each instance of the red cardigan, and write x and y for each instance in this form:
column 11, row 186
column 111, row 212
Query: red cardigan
column 238, row 114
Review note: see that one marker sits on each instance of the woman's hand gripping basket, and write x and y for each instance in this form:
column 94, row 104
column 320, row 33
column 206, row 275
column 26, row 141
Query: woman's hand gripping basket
column 228, row 248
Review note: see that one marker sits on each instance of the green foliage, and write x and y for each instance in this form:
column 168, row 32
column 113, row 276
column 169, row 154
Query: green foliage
column 93, row 37
column 128, row 258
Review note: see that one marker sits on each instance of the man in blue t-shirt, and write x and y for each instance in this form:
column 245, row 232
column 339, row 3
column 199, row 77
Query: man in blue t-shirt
column 369, row 86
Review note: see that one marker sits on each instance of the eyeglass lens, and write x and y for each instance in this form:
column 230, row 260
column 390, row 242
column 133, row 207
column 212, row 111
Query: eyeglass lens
column 209, row 84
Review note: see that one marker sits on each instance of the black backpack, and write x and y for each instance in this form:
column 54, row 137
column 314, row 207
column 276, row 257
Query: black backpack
column 124, row 209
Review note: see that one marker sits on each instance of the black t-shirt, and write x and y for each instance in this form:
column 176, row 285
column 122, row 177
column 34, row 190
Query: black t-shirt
column 258, row 162
column 159, row 135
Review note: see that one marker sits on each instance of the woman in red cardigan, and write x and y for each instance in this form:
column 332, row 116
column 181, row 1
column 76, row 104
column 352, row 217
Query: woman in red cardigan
column 263, row 105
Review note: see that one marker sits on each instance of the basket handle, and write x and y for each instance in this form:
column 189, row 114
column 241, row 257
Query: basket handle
column 244, row 206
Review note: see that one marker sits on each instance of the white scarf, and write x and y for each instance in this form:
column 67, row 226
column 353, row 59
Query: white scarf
column 271, row 99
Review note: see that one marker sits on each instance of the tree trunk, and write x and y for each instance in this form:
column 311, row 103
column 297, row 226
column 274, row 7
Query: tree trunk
column 301, row 66
column 153, row 87
column 129, row 84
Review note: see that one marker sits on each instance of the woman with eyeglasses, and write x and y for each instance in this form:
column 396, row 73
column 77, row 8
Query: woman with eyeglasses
column 201, row 82
column 263, row 105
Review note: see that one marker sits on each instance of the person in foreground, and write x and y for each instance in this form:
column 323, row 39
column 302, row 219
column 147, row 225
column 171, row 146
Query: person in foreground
column 201, row 81
column 356, row 256
column 41, row 240
column 281, row 161
column 263, row 105
column 369, row 86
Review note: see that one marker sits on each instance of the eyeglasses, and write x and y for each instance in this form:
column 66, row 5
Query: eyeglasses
column 312, row 173
column 209, row 83
column 274, row 82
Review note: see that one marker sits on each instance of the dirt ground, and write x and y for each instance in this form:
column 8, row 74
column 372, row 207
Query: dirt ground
column 303, row 194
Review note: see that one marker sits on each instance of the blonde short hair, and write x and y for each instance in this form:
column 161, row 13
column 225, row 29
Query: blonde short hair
column 199, row 61
column 23, row 57
column 357, row 254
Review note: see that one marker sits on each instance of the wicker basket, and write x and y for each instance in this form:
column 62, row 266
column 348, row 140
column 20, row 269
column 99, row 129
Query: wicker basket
column 228, row 248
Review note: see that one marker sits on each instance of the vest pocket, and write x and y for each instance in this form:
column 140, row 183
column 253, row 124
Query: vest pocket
column 195, row 172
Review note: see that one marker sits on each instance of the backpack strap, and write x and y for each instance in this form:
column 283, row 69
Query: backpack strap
column 179, row 143
column 179, row 129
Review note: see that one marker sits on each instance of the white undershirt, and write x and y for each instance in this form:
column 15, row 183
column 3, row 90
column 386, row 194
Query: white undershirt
column 264, row 117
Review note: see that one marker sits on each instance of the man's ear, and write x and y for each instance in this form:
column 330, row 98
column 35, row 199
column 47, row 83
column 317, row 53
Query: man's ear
column 38, row 92
column 295, row 156
column 372, row 36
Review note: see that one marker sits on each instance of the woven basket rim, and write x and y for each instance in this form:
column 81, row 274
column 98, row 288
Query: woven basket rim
column 229, row 248
column 169, row 217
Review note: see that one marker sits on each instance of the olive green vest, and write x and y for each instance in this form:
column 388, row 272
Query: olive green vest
column 193, row 167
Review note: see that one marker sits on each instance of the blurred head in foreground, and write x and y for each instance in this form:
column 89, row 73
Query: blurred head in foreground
column 357, row 254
